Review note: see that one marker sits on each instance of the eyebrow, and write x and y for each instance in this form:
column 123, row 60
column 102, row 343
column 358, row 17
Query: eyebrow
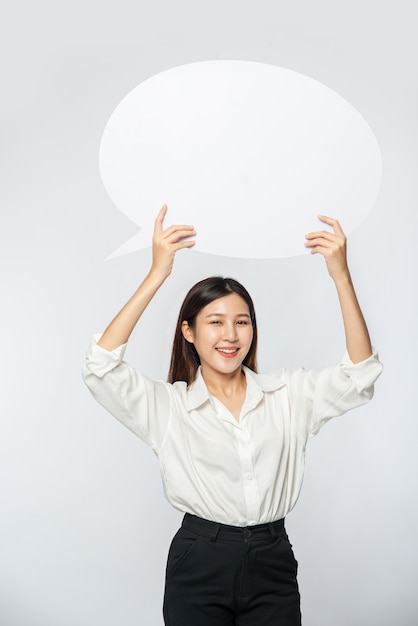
column 223, row 315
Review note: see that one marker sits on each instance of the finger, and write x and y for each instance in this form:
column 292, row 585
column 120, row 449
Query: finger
column 323, row 234
column 320, row 250
column 160, row 219
column 177, row 231
column 331, row 221
column 184, row 244
column 325, row 244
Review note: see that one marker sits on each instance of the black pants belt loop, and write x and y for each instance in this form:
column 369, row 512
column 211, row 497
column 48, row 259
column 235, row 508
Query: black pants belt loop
column 215, row 532
column 272, row 531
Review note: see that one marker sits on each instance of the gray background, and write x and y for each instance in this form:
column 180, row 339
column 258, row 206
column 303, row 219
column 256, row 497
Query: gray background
column 84, row 528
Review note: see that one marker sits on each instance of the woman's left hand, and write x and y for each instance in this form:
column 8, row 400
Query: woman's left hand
column 332, row 246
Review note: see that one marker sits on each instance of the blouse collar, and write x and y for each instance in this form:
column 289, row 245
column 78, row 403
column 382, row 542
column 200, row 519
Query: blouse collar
column 257, row 385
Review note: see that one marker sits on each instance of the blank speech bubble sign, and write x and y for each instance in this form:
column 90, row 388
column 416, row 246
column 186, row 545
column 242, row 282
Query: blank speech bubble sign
column 249, row 153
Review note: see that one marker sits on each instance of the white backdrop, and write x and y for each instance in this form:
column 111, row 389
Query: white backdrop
column 84, row 527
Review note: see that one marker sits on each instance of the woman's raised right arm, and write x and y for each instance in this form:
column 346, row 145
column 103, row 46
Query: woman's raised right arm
column 165, row 244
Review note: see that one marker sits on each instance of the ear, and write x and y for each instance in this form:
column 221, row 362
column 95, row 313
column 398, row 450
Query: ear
column 187, row 331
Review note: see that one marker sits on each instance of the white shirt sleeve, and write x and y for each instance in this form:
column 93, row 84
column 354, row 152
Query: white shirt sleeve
column 141, row 404
column 318, row 395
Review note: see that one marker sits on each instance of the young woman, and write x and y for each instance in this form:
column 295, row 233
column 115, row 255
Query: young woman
column 230, row 442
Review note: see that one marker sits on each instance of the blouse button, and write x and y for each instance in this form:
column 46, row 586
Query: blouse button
column 249, row 476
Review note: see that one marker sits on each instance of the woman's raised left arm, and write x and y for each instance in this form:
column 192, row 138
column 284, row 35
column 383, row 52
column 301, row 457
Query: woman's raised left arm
column 333, row 247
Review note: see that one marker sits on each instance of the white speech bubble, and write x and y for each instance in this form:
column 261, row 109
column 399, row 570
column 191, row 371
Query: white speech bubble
column 248, row 153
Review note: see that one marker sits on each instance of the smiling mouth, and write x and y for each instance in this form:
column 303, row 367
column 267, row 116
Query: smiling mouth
column 228, row 352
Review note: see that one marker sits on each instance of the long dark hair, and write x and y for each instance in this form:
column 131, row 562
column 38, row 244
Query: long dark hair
column 184, row 358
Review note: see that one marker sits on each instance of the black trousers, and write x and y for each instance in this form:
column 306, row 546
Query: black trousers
column 219, row 575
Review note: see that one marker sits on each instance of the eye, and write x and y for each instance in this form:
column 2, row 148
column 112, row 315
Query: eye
column 243, row 322
column 215, row 322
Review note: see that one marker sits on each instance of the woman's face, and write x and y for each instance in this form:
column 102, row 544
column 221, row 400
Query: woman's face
column 222, row 335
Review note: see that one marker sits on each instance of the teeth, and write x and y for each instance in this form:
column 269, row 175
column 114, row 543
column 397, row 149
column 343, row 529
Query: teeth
column 228, row 351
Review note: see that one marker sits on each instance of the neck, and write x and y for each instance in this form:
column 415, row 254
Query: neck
column 225, row 384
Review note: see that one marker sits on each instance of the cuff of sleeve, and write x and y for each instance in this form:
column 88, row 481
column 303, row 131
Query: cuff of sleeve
column 365, row 373
column 100, row 361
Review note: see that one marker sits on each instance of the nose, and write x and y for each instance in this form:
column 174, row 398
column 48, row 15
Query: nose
column 230, row 332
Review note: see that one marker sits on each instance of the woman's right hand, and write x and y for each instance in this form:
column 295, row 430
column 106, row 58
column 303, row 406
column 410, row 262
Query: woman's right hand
column 166, row 242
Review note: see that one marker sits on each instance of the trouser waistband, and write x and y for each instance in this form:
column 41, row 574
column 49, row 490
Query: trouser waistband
column 214, row 530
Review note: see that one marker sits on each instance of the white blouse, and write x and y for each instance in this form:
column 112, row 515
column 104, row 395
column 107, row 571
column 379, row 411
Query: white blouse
column 242, row 472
